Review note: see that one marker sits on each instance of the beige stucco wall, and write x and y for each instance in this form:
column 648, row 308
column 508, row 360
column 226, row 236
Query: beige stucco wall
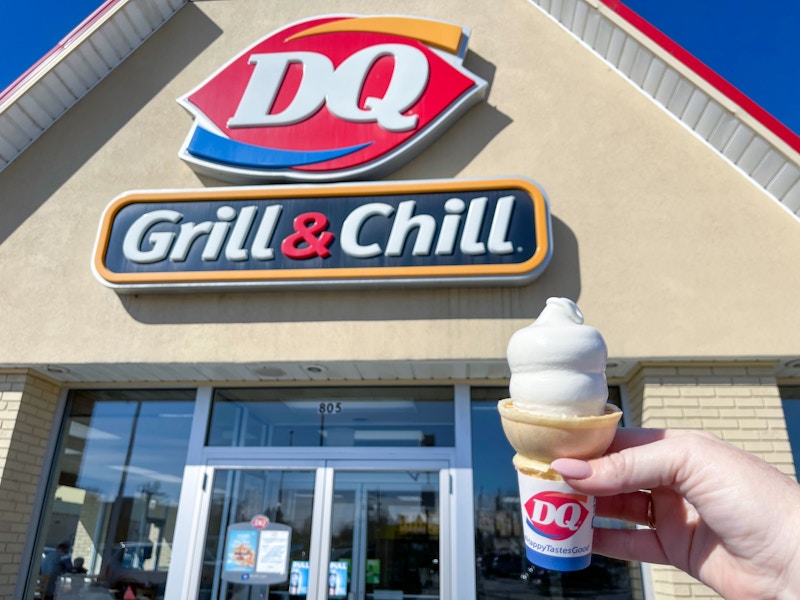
column 668, row 249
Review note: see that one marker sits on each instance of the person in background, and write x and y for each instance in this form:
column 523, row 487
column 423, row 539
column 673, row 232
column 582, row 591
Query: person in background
column 54, row 565
column 717, row 512
column 78, row 578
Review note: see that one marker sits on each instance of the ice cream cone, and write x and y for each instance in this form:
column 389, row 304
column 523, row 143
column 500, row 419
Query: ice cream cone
column 540, row 439
column 557, row 520
column 558, row 409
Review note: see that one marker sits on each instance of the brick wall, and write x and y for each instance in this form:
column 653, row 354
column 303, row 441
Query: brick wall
column 27, row 408
column 739, row 402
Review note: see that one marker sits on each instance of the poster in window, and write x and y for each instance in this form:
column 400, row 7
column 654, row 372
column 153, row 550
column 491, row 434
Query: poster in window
column 257, row 552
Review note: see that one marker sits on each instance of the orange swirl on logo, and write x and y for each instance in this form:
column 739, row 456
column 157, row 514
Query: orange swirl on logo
column 440, row 35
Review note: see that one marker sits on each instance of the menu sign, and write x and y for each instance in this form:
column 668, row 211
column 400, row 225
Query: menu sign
column 257, row 552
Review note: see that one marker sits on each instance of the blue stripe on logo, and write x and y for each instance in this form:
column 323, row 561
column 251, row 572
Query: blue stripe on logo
column 213, row 147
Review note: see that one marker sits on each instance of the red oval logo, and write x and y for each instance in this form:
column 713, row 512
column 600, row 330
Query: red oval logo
column 330, row 98
column 259, row 521
column 556, row 515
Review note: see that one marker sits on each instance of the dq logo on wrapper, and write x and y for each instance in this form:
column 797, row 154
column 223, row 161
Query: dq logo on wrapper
column 330, row 98
column 556, row 515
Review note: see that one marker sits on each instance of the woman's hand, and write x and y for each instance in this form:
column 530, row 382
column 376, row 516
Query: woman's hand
column 720, row 514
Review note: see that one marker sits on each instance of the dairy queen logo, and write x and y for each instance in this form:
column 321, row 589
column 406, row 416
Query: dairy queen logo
column 329, row 99
column 556, row 515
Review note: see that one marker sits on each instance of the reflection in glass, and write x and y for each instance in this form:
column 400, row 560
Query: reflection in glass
column 385, row 535
column 113, row 497
column 790, row 396
column 502, row 570
column 332, row 417
column 238, row 496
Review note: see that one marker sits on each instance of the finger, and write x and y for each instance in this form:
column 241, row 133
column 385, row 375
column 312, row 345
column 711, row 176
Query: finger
column 633, row 507
column 629, row 544
column 629, row 437
column 659, row 463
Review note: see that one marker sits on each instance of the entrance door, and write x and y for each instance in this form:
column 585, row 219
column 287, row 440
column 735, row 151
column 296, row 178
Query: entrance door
column 323, row 532
column 385, row 530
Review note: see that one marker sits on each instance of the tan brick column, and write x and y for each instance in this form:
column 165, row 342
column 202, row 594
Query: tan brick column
column 737, row 401
column 27, row 408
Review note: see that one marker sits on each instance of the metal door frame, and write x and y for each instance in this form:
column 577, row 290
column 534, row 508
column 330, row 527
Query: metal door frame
column 456, row 544
column 325, row 471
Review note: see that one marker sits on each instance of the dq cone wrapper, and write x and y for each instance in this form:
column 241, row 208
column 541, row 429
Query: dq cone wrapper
column 557, row 520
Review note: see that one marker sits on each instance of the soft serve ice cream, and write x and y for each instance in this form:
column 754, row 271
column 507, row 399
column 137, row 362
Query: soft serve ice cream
column 558, row 364
column 557, row 409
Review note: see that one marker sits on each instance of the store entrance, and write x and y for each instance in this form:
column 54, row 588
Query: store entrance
column 326, row 530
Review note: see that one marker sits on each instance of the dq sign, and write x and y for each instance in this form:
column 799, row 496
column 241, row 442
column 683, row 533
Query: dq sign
column 329, row 99
column 445, row 232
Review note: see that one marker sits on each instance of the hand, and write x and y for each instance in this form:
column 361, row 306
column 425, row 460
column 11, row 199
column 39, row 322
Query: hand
column 722, row 515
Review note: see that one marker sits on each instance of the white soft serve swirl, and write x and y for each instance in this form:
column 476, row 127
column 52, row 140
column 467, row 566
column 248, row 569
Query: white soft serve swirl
column 558, row 364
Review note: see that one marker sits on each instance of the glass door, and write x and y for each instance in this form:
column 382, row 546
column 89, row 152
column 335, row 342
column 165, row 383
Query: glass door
column 321, row 532
column 384, row 535
column 259, row 522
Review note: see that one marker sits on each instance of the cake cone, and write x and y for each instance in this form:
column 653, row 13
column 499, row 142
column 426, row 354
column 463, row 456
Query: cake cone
column 544, row 438
column 557, row 520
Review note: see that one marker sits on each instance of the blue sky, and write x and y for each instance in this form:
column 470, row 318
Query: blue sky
column 751, row 44
column 29, row 30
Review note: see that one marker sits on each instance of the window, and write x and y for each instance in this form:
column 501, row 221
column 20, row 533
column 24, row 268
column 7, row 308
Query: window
column 502, row 567
column 343, row 417
column 790, row 396
column 113, row 496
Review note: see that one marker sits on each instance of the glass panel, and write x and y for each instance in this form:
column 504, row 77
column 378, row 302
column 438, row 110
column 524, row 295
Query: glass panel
column 112, row 502
column 385, row 535
column 247, row 557
column 503, row 571
column 333, row 417
column 790, row 395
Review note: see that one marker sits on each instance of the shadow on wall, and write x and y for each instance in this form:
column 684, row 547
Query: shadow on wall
column 459, row 145
column 107, row 108
column 561, row 278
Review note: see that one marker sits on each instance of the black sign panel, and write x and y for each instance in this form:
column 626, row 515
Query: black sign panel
column 432, row 232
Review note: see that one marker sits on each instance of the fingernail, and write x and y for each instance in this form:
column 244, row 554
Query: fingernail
column 572, row 468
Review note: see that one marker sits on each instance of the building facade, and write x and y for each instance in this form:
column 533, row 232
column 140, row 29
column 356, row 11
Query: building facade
column 331, row 431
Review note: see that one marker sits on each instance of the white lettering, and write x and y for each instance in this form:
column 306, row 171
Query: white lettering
column 340, row 88
column 262, row 89
column 351, row 228
column 472, row 227
column 566, row 516
column 409, row 78
column 233, row 232
column 404, row 222
column 498, row 234
column 447, row 236
column 261, row 245
column 218, row 233
column 159, row 240
column 188, row 234
column 235, row 249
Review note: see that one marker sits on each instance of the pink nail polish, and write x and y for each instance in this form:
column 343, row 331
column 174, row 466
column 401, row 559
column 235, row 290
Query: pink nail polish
column 572, row 468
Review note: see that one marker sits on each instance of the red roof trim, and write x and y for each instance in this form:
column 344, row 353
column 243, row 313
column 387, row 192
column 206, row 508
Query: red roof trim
column 87, row 23
column 711, row 76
